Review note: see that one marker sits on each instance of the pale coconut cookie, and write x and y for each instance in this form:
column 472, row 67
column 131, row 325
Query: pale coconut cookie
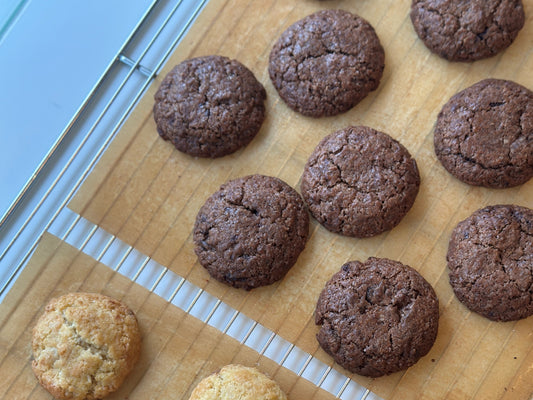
column 237, row 382
column 84, row 345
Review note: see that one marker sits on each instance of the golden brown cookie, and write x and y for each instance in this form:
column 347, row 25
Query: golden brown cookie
column 237, row 382
column 84, row 345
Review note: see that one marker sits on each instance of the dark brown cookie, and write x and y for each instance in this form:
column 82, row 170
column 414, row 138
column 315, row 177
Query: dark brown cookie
column 209, row 106
column 251, row 231
column 490, row 262
column 326, row 63
column 377, row 317
column 359, row 182
column 484, row 134
column 467, row 30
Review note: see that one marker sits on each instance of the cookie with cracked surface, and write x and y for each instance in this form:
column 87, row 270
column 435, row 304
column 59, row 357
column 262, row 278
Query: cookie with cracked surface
column 490, row 262
column 360, row 182
column 236, row 381
column 467, row 30
column 84, row 345
column 209, row 106
column 326, row 63
column 251, row 231
column 484, row 134
column 377, row 317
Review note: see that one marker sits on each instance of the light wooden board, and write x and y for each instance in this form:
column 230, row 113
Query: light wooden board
column 178, row 350
column 148, row 194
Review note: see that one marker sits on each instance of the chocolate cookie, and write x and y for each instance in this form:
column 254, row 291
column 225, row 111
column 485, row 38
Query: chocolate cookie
column 209, row 106
column 490, row 262
column 326, row 63
column 467, row 30
column 484, row 134
column 359, row 182
column 84, row 345
column 377, row 317
column 251, row 231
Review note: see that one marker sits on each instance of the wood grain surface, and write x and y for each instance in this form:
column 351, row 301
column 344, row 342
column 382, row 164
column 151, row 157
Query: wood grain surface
column 148, row 194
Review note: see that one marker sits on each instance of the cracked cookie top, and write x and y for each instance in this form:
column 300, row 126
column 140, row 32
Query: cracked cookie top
column 360, row 182
column 237, row 382
column 490, row 262
column 484, row 134
column 84, row 345
column 251, row 231
column 467, row 30
column 377, row 317
column 209, row 106
column 326, row 63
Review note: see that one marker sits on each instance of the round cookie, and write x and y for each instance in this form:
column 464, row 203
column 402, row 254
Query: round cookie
column 209, row 106
column 326, row 63
column 467, row 30
column 251, row 231
column 490, row 262
column 84, row 345
column 484, row 134
column 237, row 382
column 377, row 317
column 359, row 182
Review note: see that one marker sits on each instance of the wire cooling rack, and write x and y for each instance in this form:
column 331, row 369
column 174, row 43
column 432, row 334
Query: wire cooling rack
column 41, row 205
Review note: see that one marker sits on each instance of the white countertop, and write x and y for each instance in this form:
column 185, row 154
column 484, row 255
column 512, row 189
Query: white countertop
column 70, row 73
column 50, row 58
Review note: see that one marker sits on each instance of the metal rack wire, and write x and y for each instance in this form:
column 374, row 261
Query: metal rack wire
column 83, row 143
column 41, row 205
column 141, row 269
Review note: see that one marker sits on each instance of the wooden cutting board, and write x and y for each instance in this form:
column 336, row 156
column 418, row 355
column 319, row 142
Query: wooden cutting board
column 148, row 194
column 178, row 349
